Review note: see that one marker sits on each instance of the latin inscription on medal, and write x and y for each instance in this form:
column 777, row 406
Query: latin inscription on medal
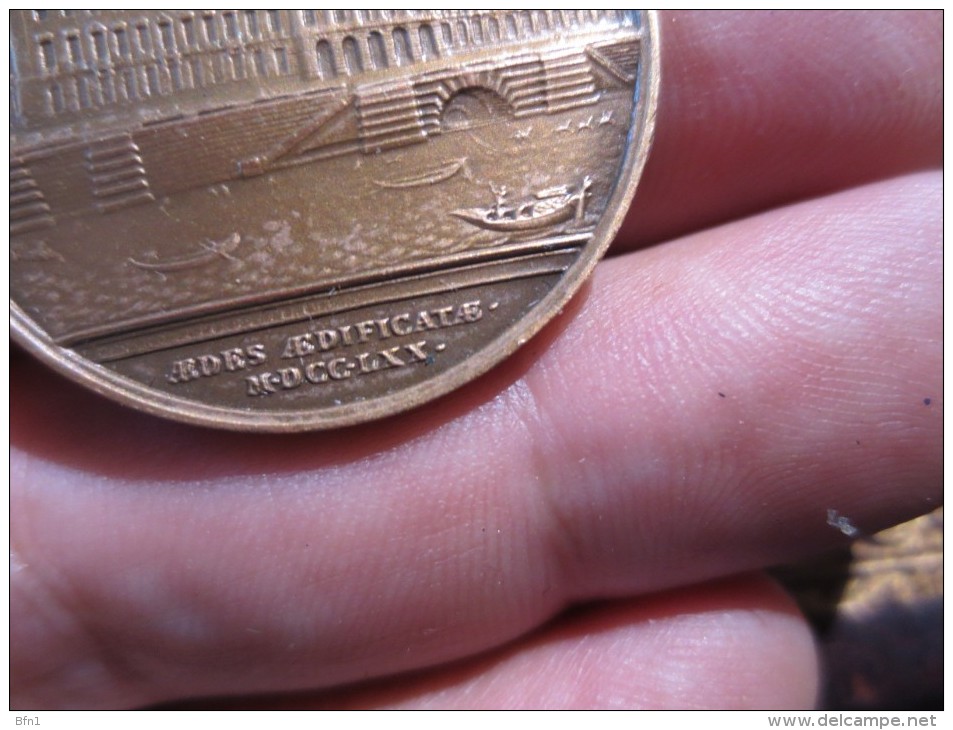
column 327, row 355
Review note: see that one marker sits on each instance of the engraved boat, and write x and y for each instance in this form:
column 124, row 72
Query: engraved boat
column 211, row 251
column 546, row 208
column 428, row 177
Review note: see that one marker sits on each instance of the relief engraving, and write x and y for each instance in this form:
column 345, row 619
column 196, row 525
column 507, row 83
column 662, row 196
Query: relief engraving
column 116, row 174
column 129, row 97
column 338, row 368
column 427, row 177
column 258, row 200
column 212, row 250
column 28, row 207
column 329, row 341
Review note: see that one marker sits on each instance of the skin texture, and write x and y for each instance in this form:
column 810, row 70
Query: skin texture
column 564, row 531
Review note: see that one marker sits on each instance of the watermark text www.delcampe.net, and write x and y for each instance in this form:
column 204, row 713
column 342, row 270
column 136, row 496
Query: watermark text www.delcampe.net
column 853, row 721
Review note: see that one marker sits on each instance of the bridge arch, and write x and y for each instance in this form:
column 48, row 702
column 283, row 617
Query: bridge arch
column 472, row 99
column 472, row 106
column 485, row 80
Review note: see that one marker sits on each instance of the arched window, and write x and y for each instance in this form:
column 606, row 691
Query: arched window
column 82, row 91
column 122, row 42
column 352, row 56
column 492, row 29
column 281, row 61
column 57, row 104
column 153, row 84
column 166, row 36
column 48, row 54
column 428, row 42
column 375, row 43
column 188, row 30
column 402, row 50
column 326, row 67
column 143, row 39
column 476, row 31
column 100, row 45
column 251, row 23
column 527, row 22
column 231, row 25
column 211, row 28
column 75, row 50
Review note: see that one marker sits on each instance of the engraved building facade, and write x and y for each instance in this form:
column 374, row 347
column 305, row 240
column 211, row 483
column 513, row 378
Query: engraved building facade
column 75, row 63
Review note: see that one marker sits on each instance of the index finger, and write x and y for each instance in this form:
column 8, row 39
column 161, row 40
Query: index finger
column 758, row 109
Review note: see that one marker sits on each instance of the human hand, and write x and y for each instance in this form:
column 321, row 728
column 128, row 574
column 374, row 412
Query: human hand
column 687, row 421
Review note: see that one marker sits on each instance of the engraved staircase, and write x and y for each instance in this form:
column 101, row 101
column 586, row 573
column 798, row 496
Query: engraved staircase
column 524, row 86
column 389, row 117
column 117, row 174
column 432, row 97
column 569, row 82
column 28, row 208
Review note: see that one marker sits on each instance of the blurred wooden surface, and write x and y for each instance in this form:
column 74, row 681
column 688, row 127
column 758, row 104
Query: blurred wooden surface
column 877, row 608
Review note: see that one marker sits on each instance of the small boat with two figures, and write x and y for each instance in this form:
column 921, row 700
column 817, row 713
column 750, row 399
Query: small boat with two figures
column 546, row 208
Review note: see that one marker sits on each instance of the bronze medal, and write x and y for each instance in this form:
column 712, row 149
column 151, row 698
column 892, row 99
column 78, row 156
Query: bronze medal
column 294, row 219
